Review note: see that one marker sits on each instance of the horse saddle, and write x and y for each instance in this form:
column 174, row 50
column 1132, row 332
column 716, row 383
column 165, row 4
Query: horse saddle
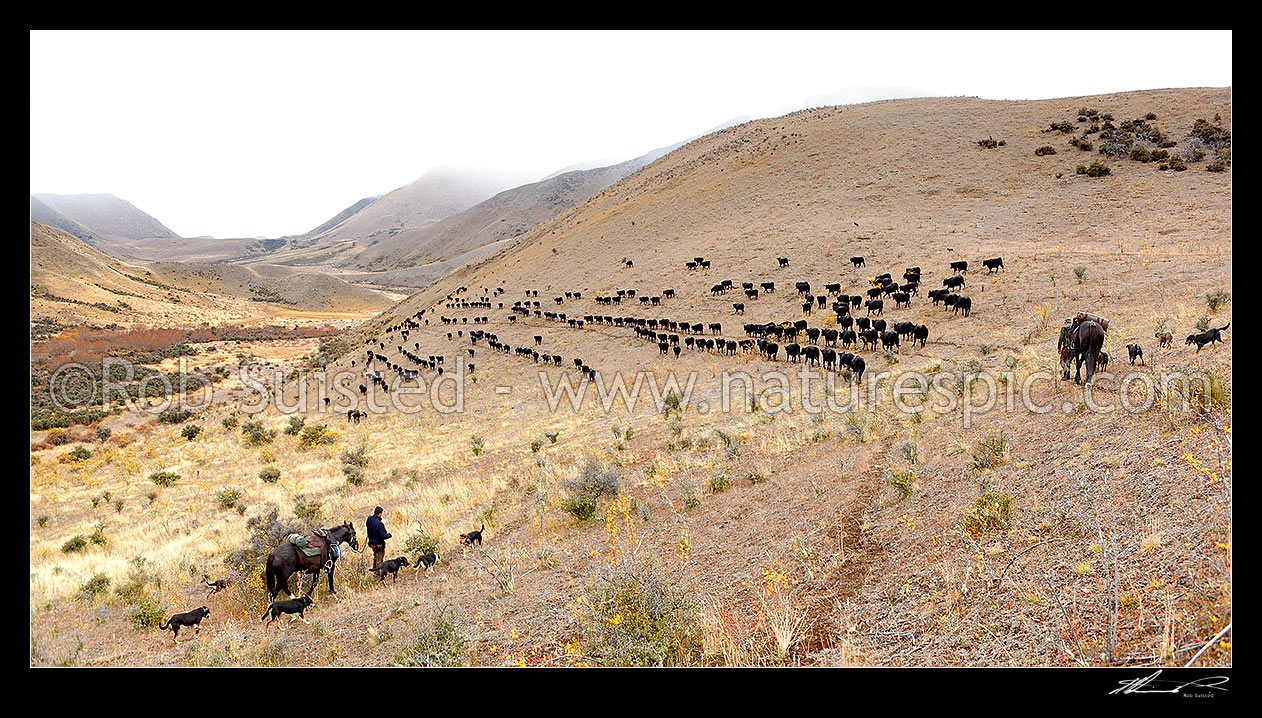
column 1089, row 317
column 310, row 545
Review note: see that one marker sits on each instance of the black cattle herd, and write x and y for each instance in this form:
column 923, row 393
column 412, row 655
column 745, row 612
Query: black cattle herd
column 835, row 348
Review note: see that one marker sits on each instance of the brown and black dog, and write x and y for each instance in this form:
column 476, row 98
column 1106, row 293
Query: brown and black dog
column 294, row 606
column 469, row 538
column 1207, row 337
column 183, row 620
column 1164, row 339
column 425, row 563
column 216, row 586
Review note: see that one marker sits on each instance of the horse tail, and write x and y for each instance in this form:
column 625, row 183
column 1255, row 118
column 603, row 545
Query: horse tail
column 269, row 575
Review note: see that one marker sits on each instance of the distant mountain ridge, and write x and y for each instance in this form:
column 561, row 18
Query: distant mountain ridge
column 97, row 218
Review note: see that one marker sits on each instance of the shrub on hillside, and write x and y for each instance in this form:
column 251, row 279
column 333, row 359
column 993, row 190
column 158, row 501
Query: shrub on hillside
column 1095, row 169
column 421, row 543
column 75, row 544
column 192, row 431
column 319, row 435
column 256, row 434
column 146, row 612
column 164, row 478
column 991, row 450
column 991, row 512
column 585, row 490
column 229, row 497
column 76, row 454
column 1217, row 299
column 269, row 475
column 308, row 511
column 95, row 586
column 175, row 415
column 1044, row 150
column 442, row 642
column 637, row 614
column 358, row 457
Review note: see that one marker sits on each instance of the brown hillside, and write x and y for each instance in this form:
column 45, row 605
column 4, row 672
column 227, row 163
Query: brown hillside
column 873, row 536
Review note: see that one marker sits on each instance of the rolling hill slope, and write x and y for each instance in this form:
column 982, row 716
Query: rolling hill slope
column 104, row 216
column 765, row 530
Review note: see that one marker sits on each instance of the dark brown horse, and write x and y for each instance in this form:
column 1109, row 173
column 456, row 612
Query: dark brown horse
column 1085, row 342
column 287, row 559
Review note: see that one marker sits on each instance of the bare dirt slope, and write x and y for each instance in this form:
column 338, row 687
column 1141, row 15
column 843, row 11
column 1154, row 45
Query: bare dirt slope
column 874, row 536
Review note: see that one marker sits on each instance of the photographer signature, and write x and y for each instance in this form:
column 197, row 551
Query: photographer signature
column 1150, row 684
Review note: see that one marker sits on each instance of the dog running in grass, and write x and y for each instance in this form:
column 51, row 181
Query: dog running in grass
column 390, row 567
column 293, row 606
column 469, row 538
column 216, row 586
column 183, row 620
column 1208, row 337
column 425, row 563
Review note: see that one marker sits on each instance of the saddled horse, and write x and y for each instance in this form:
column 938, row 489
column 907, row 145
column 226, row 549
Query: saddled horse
column 287, row 559
column 1085, row 342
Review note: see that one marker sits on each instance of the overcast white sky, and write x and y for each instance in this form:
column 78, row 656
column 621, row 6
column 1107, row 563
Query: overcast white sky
column 242, row 134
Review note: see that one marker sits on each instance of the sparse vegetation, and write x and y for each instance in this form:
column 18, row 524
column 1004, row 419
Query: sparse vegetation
column 164, row 478
column 441, row 642
column 256, row 434
column 1217, row 299
column 636, row 614
column 585, row 490
column 319, row 435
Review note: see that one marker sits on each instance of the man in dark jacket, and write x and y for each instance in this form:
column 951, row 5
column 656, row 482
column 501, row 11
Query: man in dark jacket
column 377, row 537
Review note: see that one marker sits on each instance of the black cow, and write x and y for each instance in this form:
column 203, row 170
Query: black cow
column 920, row 333
column 858, row 262
column 993, row 265
column 889, row 339
column 869, row 338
